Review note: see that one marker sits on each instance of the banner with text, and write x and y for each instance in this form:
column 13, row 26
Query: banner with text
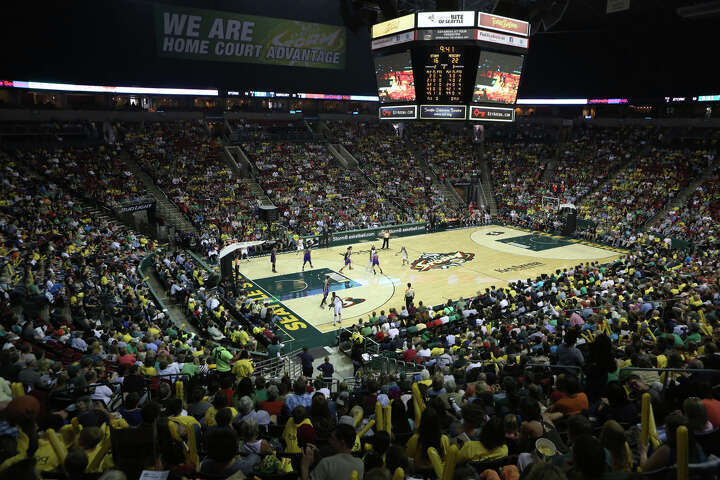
column 369, row 234
column 194, row 34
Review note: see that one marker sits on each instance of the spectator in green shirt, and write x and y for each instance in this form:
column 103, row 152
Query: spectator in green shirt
column 260, row 394
column 191, row 367
column 694, row 335
column 274, row 348
column 223, row 359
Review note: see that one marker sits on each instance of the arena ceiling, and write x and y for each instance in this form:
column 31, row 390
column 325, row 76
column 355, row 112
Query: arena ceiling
column 653, row 49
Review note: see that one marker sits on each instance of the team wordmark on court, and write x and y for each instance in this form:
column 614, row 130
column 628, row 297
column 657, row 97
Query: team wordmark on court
column 440, row 261
column 515, row 268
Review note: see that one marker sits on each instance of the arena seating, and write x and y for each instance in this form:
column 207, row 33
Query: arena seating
column 697, row 218
column 186, row 165
column 312, row 189
column 638, row 192
column 96, row 173
column 449, row 152
column 391, row 164
column 573, row 357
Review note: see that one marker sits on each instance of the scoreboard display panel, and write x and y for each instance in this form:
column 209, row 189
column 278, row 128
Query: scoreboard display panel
column 444, row 73
column 451, row 73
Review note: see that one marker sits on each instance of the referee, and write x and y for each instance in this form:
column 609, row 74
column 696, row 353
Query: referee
column 386, row 240
column 409, row 295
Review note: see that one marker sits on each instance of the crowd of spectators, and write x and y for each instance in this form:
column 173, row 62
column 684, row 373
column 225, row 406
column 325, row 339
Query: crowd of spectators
column 535, row 379
column 186, row 164
column 313, row 191
column 487, row 386
column 639, row 191
column 516, row 170
column 96, row 173
column 391, row 163
column 449, row 152
column 697, row 218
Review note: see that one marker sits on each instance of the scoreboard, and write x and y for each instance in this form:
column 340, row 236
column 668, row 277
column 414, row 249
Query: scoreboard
column 444, row 66
column 449, row 65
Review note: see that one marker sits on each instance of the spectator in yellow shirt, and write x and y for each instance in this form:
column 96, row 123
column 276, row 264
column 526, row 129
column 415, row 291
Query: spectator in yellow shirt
column 243, row 368
column 491, row 445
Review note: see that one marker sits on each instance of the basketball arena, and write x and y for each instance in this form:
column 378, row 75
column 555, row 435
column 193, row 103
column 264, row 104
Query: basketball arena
column 360, row 240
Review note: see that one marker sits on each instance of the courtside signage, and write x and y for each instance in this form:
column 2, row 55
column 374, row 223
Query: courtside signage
column 503, row 24
column 446, row 19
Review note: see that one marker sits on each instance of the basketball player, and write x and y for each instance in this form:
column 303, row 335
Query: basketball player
column 348, row 252
column 244, row 253
column 326, row 290
column 273, row 258
column 376, row 261
column 337, row 305
column 404, row 254
column 300, row 246
column 370, row 260
column 306, row 258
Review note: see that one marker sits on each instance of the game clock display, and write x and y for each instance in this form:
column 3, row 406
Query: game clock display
column 444, row 74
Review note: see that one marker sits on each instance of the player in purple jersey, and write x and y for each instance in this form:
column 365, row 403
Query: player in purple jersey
column 370, row 259
column 273, row 258
column 306, row 257
column 348, row 252
column 326, row 290
column 376, row 261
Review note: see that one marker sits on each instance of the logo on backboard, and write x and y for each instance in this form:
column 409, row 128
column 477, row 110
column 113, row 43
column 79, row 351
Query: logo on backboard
column 440, row 261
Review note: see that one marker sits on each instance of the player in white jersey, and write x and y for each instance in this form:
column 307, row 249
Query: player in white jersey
column 404, row 254
column 336, row 304
column 300, row 246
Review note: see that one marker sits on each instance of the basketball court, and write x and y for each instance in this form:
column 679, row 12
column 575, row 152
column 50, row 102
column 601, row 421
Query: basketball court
column 445, row 265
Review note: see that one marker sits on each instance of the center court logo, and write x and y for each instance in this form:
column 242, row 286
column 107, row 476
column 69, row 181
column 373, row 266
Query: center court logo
column 350, row 301
column 440, row 261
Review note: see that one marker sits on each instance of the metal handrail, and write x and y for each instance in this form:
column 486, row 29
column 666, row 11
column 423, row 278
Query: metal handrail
column 669, row 370
column 564, row 367
column 276, row 367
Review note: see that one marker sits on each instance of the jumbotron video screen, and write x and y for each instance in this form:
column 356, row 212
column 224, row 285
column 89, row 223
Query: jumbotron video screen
column 498, row 78
column 449, row 66
column 394, row 74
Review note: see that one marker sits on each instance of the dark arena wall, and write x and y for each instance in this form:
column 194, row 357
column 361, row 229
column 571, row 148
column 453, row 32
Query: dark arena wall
column 648, row 51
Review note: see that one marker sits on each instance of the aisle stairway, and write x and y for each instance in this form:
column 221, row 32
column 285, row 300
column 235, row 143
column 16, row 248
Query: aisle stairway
column 681, row 198
column 249, row 175
column 486, row 185
column 164, row 207
column 353, row 163
column 449, row 193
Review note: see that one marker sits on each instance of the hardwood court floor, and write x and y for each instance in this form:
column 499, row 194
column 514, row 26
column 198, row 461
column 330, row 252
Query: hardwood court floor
column 447, row 265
